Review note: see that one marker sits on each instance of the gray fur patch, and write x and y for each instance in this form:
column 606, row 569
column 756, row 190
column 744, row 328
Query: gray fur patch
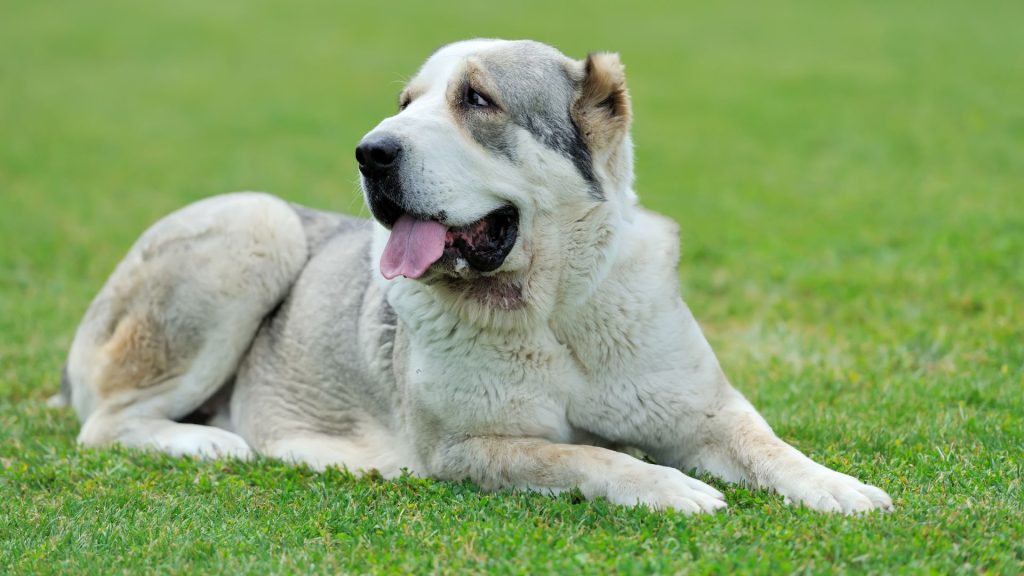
column 320, row 227
column 537, row 92
column 567, row 141
column 65, row 385
column 493, row 136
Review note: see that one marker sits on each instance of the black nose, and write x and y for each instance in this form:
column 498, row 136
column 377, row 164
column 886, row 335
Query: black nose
column 378, row 153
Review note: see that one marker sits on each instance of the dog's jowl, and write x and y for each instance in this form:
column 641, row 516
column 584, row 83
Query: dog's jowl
column 511, row 315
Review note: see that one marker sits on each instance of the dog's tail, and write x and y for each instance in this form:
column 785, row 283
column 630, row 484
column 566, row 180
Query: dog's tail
column 62, row 399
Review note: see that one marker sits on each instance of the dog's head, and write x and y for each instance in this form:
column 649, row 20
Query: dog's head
column 497, row 148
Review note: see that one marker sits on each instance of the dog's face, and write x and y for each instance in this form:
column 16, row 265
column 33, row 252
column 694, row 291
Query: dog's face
column 495, row 143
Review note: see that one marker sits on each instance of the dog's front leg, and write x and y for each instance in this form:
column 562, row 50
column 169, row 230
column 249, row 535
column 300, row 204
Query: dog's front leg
column 740, row 446
column 496, row 462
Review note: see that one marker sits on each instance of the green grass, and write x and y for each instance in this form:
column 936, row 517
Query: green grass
column 850, row 182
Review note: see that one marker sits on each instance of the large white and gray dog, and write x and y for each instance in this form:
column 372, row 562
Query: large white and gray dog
column 512, row 316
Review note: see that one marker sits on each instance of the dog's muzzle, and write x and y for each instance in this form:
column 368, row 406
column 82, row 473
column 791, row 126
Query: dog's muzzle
column 419, row 241
column 378, row 155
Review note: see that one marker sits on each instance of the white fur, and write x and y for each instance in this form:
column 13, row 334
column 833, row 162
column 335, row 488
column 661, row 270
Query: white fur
column 215, row 268
column 608, row 346
column 600, row 354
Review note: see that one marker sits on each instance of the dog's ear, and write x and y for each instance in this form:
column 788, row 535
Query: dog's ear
column 602, row 110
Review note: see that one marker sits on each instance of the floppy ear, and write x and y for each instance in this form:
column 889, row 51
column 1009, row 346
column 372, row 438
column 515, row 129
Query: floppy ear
column 602, row 110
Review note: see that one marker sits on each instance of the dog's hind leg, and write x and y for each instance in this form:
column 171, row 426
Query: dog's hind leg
column 172, row 323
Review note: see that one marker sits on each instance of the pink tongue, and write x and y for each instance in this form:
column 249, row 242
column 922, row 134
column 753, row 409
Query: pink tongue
column 413, row 246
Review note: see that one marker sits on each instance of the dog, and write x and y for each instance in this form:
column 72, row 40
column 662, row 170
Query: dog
column 511, row 315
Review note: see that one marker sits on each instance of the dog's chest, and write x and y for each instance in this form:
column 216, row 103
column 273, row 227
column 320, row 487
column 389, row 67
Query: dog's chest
column 539, row 385
column 549, row 380
column 496, row 385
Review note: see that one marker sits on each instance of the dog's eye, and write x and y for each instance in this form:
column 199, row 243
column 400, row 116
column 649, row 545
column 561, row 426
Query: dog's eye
column 475, row 99
column 404, row 104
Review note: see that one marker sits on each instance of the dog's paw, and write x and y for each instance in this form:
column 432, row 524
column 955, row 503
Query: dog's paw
column 826, row 490
column 202, row 442
column 661, row 488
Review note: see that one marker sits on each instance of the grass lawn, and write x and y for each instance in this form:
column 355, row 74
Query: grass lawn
column 849, row 178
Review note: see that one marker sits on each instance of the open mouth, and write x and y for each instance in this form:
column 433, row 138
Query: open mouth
column 484, row 244
column 416, row 243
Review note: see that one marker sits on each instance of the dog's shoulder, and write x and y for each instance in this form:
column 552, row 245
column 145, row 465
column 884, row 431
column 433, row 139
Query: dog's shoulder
column 633, row 312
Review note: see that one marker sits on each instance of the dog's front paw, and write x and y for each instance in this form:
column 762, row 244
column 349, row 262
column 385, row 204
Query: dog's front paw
column 661, row 488
column 826, row 490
